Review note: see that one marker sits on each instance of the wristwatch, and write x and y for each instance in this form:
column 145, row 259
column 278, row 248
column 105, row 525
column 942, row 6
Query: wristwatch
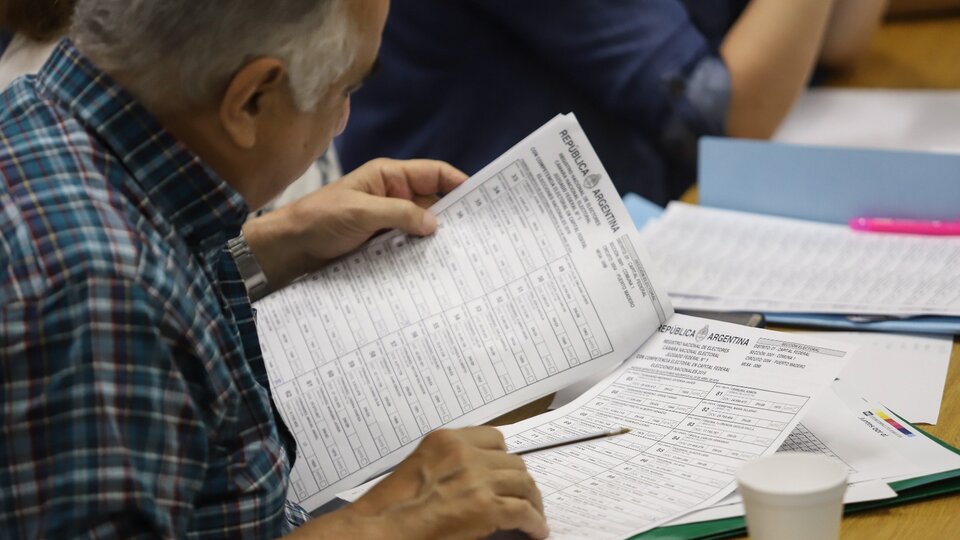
column 250, row 271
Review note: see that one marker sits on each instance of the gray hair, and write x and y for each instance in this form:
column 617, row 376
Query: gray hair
column 201, row 44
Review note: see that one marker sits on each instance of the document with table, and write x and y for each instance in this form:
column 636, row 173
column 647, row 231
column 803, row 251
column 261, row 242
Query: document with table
column 734, row 261
column 701, row 397
column 534, row 279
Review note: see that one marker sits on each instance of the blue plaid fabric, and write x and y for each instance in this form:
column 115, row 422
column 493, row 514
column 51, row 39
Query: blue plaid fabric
column 133, row 398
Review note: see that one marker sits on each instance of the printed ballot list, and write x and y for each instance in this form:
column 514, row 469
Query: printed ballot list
column 723, row 260
column 533, row 280
column 701, row 398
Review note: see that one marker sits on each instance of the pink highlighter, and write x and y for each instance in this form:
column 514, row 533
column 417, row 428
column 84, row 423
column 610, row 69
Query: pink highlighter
column 906, row 226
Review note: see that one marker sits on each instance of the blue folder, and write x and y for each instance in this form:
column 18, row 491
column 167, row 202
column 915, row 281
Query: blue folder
column 832, row 185
column 641, row 210
column 827, row 184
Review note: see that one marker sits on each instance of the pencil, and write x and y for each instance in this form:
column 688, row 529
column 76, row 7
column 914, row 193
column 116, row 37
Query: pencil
column 568, row 441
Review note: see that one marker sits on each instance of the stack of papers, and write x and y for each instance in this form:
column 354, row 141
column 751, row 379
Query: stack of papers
column 830, row 184
column 723, row 260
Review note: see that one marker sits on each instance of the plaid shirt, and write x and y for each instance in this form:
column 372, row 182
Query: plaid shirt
column 133, row 398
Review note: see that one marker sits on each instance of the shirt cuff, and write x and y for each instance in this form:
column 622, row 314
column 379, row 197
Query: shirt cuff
column 701, row 100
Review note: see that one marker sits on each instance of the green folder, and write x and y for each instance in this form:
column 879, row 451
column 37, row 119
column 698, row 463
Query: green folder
column 909, row 490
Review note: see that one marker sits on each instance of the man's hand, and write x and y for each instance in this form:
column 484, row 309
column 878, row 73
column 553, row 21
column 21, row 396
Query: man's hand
column 458, row 484
column 336, row 219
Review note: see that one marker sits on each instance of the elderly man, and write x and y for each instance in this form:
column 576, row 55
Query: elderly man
column 133, row 398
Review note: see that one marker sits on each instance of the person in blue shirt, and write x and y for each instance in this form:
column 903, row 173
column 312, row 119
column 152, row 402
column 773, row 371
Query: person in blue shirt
column 463, row 80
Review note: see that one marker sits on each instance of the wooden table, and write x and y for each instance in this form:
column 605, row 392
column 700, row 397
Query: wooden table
column 914, row 53
column 903, row 54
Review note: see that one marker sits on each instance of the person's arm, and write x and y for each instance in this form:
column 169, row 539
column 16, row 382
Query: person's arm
column 851, row 26
column 334, row 220
column 632, row 58
column 458, row 484
column 101, row 437
column 770, row 53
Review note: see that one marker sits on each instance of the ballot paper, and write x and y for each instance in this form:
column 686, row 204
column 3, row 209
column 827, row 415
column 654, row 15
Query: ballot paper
column 869, row 439
column 534, row 279
column 701, row 398
column 723, row 260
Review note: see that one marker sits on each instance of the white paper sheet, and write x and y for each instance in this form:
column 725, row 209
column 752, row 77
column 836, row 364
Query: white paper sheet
column 923, row 120
column 701, row 397
column 905, row 373
column 533, row 280
column 927, row 456
column 733, row 261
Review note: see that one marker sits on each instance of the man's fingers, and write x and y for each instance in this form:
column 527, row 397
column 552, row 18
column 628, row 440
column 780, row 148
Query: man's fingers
column 399, row 191
column 427, row 176
column 484, row 437
column 515, row 484
column 520, row 514
column 406, row 179
column 388, row 213
column 425, row 201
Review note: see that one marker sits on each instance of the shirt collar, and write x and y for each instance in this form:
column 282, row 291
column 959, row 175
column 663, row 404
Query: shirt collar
column 203, row 209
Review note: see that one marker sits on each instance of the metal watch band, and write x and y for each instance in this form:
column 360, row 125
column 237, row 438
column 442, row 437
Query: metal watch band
column 253, row 276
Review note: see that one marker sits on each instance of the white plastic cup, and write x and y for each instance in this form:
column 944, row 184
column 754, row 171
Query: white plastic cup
column 793, row 496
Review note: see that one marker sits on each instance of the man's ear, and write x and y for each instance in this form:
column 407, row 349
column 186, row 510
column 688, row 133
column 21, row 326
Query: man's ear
column 257, row 87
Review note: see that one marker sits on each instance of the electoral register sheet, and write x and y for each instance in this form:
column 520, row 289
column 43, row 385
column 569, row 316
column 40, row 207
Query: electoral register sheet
column 723, row 260
column 701, row 397
column 534, row 279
